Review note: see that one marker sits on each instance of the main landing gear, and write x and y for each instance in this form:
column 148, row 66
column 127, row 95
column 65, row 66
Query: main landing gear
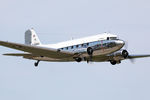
column 78, row 59
column 113, row 62
column 36, row 63
column 90, row 53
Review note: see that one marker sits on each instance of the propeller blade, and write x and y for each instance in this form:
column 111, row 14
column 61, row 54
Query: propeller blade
column 126, row 45
column 132, row 61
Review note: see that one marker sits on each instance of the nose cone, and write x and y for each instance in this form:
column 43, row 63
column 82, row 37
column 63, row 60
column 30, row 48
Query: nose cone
column 120, row 42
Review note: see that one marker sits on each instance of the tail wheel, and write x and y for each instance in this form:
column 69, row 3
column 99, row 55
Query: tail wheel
column 125, row 53
column 36, row 63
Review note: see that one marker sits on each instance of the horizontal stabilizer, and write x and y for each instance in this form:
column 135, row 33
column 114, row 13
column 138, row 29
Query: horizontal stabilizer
column 17, row 54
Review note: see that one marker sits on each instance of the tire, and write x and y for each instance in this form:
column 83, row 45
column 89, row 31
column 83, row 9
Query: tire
column 78, row 59
column 113, row 62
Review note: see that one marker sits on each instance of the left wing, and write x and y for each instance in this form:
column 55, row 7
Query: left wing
column 37, row 50
column 36, row 57
column 17, row 54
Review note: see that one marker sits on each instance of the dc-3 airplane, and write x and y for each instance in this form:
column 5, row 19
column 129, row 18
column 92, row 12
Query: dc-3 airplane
column 99, row 48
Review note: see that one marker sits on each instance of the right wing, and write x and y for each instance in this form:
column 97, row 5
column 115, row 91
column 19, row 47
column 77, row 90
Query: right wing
column 37, row 50
column 138, row 56
column 103, row 58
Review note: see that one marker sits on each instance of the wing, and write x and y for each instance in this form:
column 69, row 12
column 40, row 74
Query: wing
column 138, row 56
column 17, row 54
column 37, row 50
column 105, row 58
column 101, row 58
column 36, row 57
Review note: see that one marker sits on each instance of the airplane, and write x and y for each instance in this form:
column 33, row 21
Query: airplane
column 104, row 47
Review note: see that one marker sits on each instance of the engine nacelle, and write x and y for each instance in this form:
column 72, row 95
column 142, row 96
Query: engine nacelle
column 125, row 53
column 89, row 51
column 121, row 53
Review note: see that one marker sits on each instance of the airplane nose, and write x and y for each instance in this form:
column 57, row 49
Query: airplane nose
column 120, row 42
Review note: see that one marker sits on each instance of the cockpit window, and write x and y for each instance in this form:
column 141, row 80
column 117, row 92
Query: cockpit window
column 107, row 38
column 113, row 38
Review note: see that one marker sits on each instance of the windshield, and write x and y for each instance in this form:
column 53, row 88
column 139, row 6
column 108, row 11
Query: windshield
column 113, row 38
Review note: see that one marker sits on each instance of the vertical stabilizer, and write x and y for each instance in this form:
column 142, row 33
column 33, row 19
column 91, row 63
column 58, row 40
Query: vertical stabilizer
column 31, row 38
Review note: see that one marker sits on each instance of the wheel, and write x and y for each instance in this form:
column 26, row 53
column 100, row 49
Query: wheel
column 35, row 64
column 113, row 62
column 78, row 59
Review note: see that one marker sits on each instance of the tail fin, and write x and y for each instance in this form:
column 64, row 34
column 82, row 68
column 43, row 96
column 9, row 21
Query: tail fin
column 31, row 38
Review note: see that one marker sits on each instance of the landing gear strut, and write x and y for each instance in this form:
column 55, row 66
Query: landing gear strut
column 36, row 63
column 90, row 53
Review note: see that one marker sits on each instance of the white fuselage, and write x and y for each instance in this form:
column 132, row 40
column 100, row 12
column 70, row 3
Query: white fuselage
column 102, row 44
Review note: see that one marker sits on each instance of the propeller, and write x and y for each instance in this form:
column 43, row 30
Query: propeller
column 126, row 47
column 131, row 60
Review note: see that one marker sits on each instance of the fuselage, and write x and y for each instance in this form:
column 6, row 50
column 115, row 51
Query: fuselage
column 99, row 48
column 102, row 44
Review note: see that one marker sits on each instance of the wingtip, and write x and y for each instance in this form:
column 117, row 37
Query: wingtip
column 5, row 54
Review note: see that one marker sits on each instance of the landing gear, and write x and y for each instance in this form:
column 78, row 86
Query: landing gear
column 36, row 63
column 78, row 59
column 113, row 62
column 90, row 53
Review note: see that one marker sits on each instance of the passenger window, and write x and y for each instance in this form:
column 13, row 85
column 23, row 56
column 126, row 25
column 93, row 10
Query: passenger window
column 66, row 48
column 77, row 46
column 87, row 44
column 71, row 47
column 82, row 45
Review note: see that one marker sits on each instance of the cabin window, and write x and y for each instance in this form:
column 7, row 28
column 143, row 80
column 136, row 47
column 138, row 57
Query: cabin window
column 82, row 45
column 77, row 46
column 71, row 47
column 66, row 48
column 87, row 44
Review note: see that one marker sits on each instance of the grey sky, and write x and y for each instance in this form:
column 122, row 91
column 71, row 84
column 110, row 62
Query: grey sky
column 59, row 20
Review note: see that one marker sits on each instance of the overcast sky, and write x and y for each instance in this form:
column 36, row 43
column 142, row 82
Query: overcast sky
column 60, row 20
